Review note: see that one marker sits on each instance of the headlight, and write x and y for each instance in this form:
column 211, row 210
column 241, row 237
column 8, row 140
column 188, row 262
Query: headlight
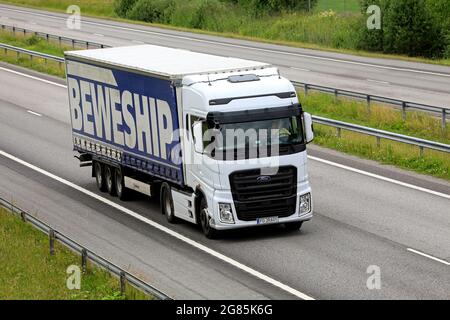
column 226, row 213
column 305, row 204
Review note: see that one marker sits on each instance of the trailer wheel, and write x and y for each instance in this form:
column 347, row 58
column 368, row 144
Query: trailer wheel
column 167, row 203
column 110, row 180
column 293, row 226
column 208, row 231
column 99, row 176
column 121, row 191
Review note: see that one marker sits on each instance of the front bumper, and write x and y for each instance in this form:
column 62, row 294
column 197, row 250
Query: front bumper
column 221, row 196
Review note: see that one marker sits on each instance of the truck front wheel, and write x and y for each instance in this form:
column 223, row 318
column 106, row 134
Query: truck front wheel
column 167, row 203
column 293, row 226
column 121, row 191
column 99, row 176
column 110, row 180
column 208, row 231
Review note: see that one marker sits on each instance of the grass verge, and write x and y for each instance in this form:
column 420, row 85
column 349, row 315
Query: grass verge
column 318, row 32
column 404, row 156
column 417, row 124
column 29, row 272
column 35, row 44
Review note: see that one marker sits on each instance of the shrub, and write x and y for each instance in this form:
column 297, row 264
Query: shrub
column 121, row 7
column 410, row 29
column 151, row 11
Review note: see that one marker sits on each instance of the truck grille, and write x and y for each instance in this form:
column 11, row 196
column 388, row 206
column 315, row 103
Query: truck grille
column 256, row 196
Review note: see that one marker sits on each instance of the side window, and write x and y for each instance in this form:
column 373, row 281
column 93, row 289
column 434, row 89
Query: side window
column 193, row 120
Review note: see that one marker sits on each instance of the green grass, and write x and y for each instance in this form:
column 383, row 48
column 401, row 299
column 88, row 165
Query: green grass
column 338, row 5
column 335, row 32
column 417, row 124
column 35, row 44
column 432, row 163
column 28, row 271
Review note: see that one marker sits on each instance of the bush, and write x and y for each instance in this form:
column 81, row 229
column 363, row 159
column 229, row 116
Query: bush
column 407, row 27
column 151, row 11
column 121, row 7
column 410, row 29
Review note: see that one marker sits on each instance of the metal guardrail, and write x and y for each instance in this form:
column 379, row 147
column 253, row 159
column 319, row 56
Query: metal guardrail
column 380, row 134
column 86, row 254
column 442, row 111
column 51, row 37
column 31, row 54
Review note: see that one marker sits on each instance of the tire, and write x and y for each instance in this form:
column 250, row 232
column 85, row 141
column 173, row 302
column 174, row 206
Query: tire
column 99, row 174
column 208, row 231
column 293, row 226
column 120, row 189
column 167, row 203
column 110, row 180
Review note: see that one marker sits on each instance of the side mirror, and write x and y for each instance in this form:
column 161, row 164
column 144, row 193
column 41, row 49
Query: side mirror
column 197, row 130
column 309, row 129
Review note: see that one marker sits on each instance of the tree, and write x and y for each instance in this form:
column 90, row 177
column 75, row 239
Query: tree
column 410, row 29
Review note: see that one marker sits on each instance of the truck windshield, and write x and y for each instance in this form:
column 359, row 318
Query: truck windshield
column 264, row 137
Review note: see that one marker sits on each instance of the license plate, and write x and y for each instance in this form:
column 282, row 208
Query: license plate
column 267, row 220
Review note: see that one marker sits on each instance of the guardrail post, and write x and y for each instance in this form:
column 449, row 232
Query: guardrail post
column 378, row 142
column 336, row 94
column 338, row 132
column 123, row 282
column 368, row 104
column 306, row 89
column 51, row 238
column 87, row 44
column 59, row 40
column 23, row 216
column 73, row 43
column 421, row 151
column 404, row 111
column 84, row 260
column 444, row 119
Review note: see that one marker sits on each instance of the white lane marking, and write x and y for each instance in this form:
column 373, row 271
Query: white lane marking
column 164, row 229
column 428, row 256
column 239, row 46
column 34, row 113
column 378, row 81
column 310, row 157
column 34, row 78
column 300, row 69
column 98, row 34
column 372, row 175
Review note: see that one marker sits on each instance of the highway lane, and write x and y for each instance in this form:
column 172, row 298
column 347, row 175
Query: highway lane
column 415, row 82
column 360, row 221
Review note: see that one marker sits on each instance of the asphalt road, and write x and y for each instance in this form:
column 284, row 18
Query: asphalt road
column 415, row 82
column 360, row 220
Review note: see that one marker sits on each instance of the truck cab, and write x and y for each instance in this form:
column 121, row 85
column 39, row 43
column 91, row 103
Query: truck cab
column 245, row 176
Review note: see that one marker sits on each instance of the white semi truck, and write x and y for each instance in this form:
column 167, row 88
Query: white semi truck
column 222, row 141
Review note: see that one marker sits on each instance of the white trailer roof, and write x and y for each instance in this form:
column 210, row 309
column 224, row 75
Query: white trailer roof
column 165, row 62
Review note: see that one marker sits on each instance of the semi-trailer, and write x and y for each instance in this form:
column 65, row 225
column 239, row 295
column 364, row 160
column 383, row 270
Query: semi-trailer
column 221, row 141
